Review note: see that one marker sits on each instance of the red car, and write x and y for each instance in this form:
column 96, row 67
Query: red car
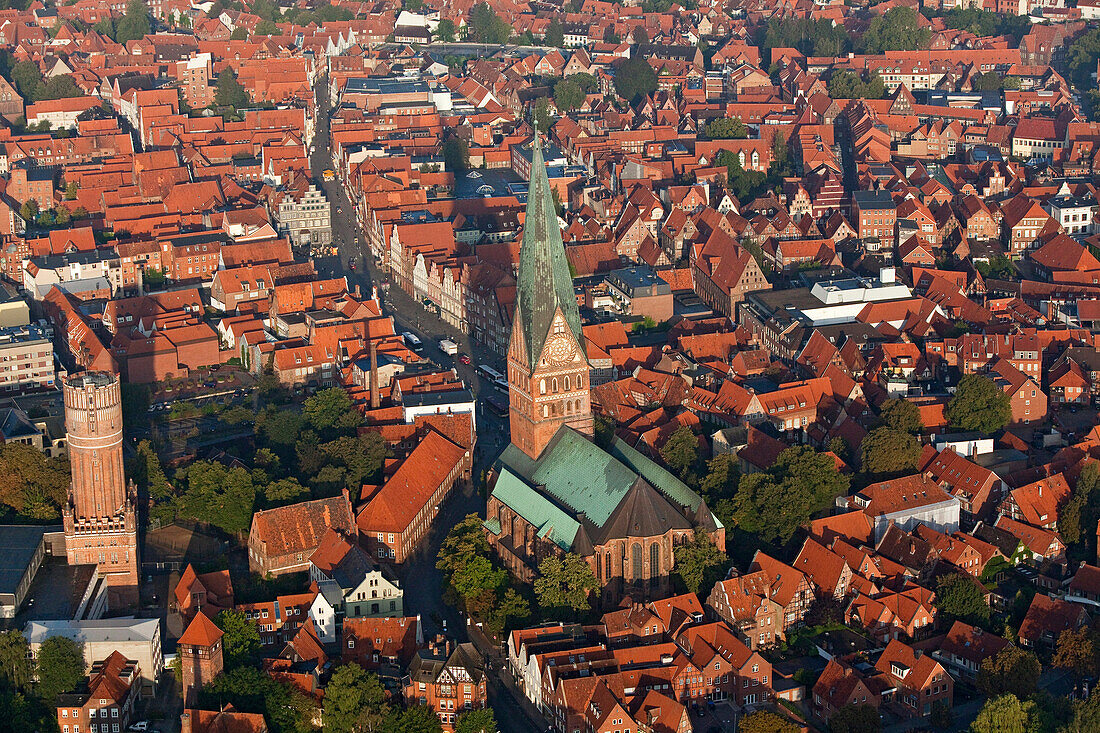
column 351, row 265
column 464, row 359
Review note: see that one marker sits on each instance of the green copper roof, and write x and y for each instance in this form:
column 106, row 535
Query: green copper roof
column 553, row 524
column 657, row 476
column 544, row 280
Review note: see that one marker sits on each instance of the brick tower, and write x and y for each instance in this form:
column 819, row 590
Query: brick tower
column 99, row 517
column 200, row 650
column 548, row 372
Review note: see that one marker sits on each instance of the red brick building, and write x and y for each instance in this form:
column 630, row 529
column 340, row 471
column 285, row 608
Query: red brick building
column 449, row 680
column 377, row 642
column 282, row 539
column 210, row 593
column 200, row 652
column 100, row 516
column 399, row 515
column 105, row 701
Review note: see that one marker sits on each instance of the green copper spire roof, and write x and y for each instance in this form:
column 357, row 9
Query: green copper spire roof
column 544, row 281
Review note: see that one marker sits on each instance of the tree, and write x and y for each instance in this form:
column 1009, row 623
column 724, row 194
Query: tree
column 1012, row 670
column 699, row 563
column 960, row 597
column 845, row 84
column 239, row 34
column 568, row 95
column 639, row 35
column 417, row 719
column 727, row 128
column 240, row 640
column 229, row 92
column 564, row 584
column 810, row 36
column 32, row 484
column 486, row 26
column 134, row 25
column 555, row 34
column 853, row 718
column 541, row 114
column 720, row 479
column 456, row 154
column 635, row 79
column 59, row 87
column 29, row 211
column 763, row 721
column 476, row 721
column 511, row 609
column 15, row 666
column 250, row 690
column 681, row 452
column 464, row 559
column 886, row 451
column 988, row 82
column 445, row 31
column 350, row 691
column 978, row 405
column 898, row 29
column 1007, row 714
column 60, row 663
column 1076, row 652
column 27, row 78
column 331, row 413
column 744, row 184
column 773, row 504
column 220, row 496
column 901, row 415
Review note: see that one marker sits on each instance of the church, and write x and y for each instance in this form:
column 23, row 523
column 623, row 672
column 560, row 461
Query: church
column 555, row 490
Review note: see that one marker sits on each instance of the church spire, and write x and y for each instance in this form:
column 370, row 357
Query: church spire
column 545, row 284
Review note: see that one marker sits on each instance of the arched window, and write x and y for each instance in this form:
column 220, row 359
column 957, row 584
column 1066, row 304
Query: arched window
column 654, row 560
column 599, row 573
column 568, row 407
column 607, row 559
column 546, row 410
column 578, row 406
column 542, row 386
column 566, row 382
column 554, row 381
column 636, row 561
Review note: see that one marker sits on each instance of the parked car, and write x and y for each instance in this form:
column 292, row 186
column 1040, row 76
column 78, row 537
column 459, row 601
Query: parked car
column 464, row 359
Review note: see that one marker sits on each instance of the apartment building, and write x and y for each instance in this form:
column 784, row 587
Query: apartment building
column 26, row 358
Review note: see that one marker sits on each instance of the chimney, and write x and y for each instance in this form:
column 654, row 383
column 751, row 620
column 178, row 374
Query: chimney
column 375, row 398
column 185, row 723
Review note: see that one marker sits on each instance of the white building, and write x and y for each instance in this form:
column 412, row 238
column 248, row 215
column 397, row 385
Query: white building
column 907, row 502
column 137, row 639
column 1076, row 214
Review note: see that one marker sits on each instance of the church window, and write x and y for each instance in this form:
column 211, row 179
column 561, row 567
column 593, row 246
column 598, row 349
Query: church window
column 654, row 560
column 568, row 407
column 636, row 561
column 542, row 386
column 599, row 570
column 546, row 410
column 577, row 405
column 566, row 382
column 607, row 558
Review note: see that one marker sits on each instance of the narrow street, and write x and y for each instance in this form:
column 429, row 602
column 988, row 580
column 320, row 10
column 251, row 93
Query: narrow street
column 422, row 582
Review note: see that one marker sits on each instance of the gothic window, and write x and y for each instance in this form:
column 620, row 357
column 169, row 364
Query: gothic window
column 607, row 562
column 546, row 410
column 578, row 406
column 566, row 382
column 599, row 570
column 636, row 561
column 542, row 386
column 568, row 407
column 554, row 382
column 654, row 560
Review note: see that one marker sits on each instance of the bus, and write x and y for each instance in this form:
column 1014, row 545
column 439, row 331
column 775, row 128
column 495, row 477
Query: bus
column 489, row 372
column 496, row 406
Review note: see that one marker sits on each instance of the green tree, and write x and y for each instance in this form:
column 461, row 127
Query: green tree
column 350, row 691
column 960, row 597
column 445, row 31
column 511, row 610
column 720, row 479
column 464, row 559
column 1007, row 714
column 854, row 718
column 818, row 37
column 250, row 690
column 15, row 667
column 773, row 504
column 763, row 721
column 886, row 451
column 241, row 639
column 1076, row 652
column 978, row 405
column 727, row 128
column 220, row 496
column 744, row 184
column 476, row 721
column 639, row 35
column 27, row 79
column 565, row 584
column 988, row 82
column 898, row 29
column 32, row 484
column 456, row 154
column 29, row 211
column 417, row 719
column 699, row 563
column 229, row 92
column 267, row 28
column 555, row 34
column 134, row 25
column 59, row 87
column 239, row 34
column 1012, row 670
column 635, row 79
column 331, row 413
column 541, row 114
column 681, row 453
column 902, row 415
column 60, row 666
column 486, row 26
column 568, row 95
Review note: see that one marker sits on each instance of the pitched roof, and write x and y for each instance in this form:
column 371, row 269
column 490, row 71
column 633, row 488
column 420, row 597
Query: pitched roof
column 300, row 527
column 200, row 632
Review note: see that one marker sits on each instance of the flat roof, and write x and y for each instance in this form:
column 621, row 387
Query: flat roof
column 18, row 543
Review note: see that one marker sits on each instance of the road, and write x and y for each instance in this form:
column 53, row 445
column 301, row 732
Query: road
column 421, row 581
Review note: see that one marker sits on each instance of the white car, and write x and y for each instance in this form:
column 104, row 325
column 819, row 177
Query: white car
column 143, row 725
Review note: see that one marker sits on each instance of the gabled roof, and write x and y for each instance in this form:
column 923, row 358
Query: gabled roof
column 201, row 632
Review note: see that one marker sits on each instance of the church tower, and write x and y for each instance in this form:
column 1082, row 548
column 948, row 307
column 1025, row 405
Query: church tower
column 100, row 518
column 548, row 371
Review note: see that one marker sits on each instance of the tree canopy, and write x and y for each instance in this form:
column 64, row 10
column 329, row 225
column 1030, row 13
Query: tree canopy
column 727, row 128
column 565, row 584
column 251, row 690
column 351, row 691
column 853, row 718
column 1012, row 670
column 486, row 26
column 898, row 29
column 229, row 92
column 960, row 597
column 240, row 639
column 31, row 484
column 635, row 79
column 978, row 405
column 1007, row 714
column 474, row 581
column 555, row 34
column 134, row 25
column 845, row 84
column 763, row 721
column 60, row 666
column 681, row 453
column 901, row 415
column 814, row 37
column 772, row 504
column 886, row 452
column 476, row 721
column 700, row 564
